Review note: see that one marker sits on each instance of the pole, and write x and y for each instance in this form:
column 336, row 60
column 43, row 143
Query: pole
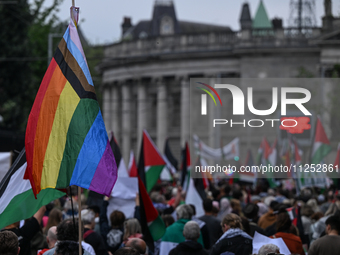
column 79, row 220
column 73, row 4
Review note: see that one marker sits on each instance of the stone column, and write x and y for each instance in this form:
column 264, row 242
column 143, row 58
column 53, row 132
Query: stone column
column 107, row 107
column 126, row 121
column 115, row 107
column 185, row 110
column 142, row 112
column 162, row 113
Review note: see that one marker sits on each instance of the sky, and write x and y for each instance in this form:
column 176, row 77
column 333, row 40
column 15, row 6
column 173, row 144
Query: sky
column 101, row 20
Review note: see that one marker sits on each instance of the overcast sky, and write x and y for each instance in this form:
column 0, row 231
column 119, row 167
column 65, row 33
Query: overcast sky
column 101, row 19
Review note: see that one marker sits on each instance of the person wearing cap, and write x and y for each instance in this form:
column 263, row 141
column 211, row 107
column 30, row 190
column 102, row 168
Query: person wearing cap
column 250, row 212
column 91, row 237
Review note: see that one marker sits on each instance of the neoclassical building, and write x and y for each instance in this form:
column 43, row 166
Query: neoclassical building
column 146, row 75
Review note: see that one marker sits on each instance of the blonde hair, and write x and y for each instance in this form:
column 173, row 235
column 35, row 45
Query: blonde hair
column 232, row 220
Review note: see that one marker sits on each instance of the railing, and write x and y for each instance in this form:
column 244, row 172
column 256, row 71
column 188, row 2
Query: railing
column 211, row 41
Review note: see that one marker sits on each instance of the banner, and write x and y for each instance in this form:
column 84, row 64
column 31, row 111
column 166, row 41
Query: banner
column 123, row 196
column 227, row 152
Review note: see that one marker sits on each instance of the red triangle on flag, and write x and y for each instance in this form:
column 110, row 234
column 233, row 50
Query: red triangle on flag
column 266, row 148
column 133, row 170
column 320, row 134
column 150, row 211
column 151, row 155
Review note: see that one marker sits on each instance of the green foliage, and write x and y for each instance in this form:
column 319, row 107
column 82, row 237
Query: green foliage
column 23, row 57
column 304, row 73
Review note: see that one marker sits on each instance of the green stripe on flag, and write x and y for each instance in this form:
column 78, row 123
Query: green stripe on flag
column 24, row 205
column 320, row 153
column 152, row 175
column 157, row 228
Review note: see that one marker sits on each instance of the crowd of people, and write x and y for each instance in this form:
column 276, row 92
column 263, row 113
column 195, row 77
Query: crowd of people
column 308, row 223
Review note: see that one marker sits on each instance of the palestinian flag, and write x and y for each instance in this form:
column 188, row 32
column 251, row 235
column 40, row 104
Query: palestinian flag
column 171, row 161
column 249, row 176
column 297, row 153
column 153, row 227
column 321, row 146
column 122, row 171
column 17, row 201
column 66, row 141
column 133, row 170
column 151, row 162
column 263, row 152
column 185, row 167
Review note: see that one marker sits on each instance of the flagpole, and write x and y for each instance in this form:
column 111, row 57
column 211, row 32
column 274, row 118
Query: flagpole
column 79, row 220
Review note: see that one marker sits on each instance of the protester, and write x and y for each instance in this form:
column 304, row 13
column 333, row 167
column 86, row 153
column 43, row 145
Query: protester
column 251, row 213
column 51, row 239
column 268, row 218
column 27, row 231
column 113, row 236
column 90, row 236
column 9, row 243
column 67, row 230
column 174, row 233
column 168, row 220
column 126, row 251
column 137, row 244
column 96, row 210
column 67, row 247
column 191, row 233
column 54, row 218
column 319, row 227
column 283, row 230
column 268, row 248
column 213, row 225
column 234, row 239
column 329, row 243
column 225, row 208
column 132, row 229
column 236, row 207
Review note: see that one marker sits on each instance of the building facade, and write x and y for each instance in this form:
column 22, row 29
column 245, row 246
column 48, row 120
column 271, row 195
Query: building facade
column 146, row 76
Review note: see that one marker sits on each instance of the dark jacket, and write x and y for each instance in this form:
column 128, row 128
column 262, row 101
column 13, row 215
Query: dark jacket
column 188, row 248
column 237, row 245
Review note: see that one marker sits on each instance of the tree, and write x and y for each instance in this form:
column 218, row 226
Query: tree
column 23, row 57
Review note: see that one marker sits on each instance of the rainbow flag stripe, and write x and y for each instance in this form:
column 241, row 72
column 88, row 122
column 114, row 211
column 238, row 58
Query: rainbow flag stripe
column 66, row 140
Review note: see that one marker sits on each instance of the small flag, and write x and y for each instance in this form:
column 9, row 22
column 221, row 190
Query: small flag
column 250, row 174
column 151, row 162
column 321, row 146
column 153, row 227
column 17, row 201
column 66, row 140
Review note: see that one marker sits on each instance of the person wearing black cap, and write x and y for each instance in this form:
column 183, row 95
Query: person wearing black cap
column 250, row 212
